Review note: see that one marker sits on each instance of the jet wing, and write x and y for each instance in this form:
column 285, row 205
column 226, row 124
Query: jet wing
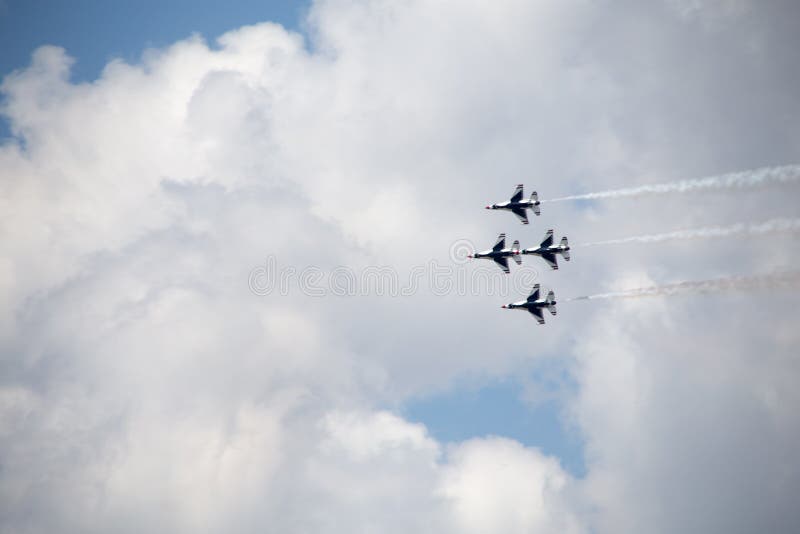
column 521, row 214
column 551, row 260
column 517, row 196
column 548, row 239
column 501, row 243
column 534, row 294
column 537, row 312
column 503, row 263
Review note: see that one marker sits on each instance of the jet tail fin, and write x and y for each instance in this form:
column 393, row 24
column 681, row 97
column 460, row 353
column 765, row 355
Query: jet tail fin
column 551, row 302
column 535, row 201
column 515, row 247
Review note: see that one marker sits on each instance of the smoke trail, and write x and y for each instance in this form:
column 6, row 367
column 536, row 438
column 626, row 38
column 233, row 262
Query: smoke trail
column 772, row 226
column 753, row 179
column 784, row 280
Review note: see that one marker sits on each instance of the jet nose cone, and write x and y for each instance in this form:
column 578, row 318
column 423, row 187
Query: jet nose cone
column 488, row 207
column 504, row 306
column 470, row 256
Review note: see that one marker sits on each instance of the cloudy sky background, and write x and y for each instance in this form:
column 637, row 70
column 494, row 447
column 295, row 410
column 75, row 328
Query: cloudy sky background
column 145, row 387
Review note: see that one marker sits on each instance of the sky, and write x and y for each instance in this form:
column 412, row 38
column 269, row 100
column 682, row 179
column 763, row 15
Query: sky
column 96, row 32
column 234, row 293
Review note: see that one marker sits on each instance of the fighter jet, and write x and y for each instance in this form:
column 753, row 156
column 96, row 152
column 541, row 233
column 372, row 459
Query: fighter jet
column 535, row 305
column 547, row 250
column 500, row 254
column 518, row 206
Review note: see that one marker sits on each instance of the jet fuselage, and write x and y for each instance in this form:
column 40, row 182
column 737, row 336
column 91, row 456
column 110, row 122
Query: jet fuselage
column 503, row 253
column 552, row 249
column 524, row 304
column 508, row 205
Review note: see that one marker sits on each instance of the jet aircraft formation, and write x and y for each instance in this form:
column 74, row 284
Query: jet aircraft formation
column 547, row 250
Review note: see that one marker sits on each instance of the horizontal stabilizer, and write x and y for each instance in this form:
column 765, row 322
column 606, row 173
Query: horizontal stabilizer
column 535, row 196
column 517, row 259
column 536, row 209
column 565, row 253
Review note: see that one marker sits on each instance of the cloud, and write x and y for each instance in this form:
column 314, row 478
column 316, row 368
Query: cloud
column 145, row 387
column 497, row 485
column 693, row 429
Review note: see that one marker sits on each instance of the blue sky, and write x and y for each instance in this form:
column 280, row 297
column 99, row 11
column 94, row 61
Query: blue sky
column 95, row 32
column 500, row 409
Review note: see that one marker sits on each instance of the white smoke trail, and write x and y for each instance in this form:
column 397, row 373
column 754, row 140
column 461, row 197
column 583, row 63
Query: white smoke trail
column 753, row 179
column 783, row 280
column 773, row 226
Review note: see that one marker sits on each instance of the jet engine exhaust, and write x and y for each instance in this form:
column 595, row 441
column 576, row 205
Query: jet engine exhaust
column 780, row 280
column 752, row 179
column 776, row 226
